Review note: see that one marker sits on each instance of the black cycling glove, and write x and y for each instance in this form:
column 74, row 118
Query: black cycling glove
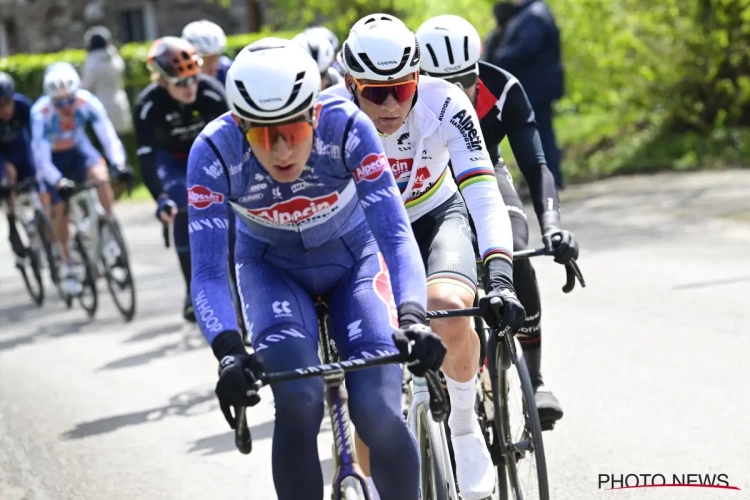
column 501, row 309
column 560, row 242
column 420, row 347
column 66, row 188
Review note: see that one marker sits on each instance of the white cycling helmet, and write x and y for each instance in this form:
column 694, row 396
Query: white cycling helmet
column 450, row 45
column 61, row 79
column 326, row 33
column 380, row 47
column 318, row 47
column 272, row 80
column 208, row 38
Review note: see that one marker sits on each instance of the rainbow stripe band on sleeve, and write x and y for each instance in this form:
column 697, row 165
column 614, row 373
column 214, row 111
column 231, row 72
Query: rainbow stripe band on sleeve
column 475, row 175
column 496, row 253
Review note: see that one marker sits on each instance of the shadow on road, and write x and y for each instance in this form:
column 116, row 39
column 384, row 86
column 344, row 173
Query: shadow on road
column 186, row 404
column 20, row 312
column 189, row 342
column 156, row 331
column 61, row 329
column 710, row 283
column 224, row 442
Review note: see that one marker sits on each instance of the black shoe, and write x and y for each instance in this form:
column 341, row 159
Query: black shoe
column 187, row 311
column 548, row 407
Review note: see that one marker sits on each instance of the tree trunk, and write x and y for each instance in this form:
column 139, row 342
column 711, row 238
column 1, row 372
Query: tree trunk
column 254, row 15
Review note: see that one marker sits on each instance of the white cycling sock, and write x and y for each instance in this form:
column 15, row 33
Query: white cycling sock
column 373, row 490
column 463, row 418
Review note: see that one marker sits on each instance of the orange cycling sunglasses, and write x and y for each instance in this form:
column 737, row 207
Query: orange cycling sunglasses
column 377, row 93
column 265, row 136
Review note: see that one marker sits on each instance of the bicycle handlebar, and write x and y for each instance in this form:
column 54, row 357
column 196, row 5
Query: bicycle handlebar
column 438, row 399
column 28, row 184
column 572, row 270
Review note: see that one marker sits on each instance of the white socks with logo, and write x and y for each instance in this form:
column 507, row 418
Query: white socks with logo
column 463, row 419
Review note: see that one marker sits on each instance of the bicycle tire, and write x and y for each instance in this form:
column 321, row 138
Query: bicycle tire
column 34, row 262
column 351, row 489
column 532, row 428
column 128, row 313
column 51, row 247
column 433, row 477
column 89, row 280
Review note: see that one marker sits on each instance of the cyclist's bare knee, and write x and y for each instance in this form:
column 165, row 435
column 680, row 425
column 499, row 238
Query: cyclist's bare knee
column 440, row 296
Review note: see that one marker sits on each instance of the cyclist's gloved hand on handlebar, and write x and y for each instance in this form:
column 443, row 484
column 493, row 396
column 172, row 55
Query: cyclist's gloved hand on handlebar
column 237, row 385
column 65, row 188
column 422, row 349
column 123, row 173
column 563, row 245
column 501, row 309
column 166, row 209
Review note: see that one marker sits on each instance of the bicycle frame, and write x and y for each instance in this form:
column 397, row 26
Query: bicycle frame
column 85, row 212
column 333, row 376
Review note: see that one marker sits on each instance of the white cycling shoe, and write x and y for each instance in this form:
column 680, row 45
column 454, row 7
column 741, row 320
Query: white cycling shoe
column 474, row 469
column 70, row 283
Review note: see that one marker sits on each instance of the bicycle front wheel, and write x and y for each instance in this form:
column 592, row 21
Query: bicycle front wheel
column 518, row 427
column 434, row 477
column 88, row 299
column 52, row 248
column 31, row 264
column 117, row 272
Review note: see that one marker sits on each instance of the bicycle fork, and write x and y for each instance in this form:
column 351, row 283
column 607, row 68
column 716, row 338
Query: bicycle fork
column 345, row 456
column 420, row 396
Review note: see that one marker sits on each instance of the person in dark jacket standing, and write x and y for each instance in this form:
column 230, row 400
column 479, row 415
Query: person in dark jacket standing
column 530, row 50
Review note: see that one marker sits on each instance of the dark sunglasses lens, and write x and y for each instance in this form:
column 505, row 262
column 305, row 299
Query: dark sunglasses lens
column 376, row 95
column 465, row 81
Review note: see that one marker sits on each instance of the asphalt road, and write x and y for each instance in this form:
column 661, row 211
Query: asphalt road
column 650, row 362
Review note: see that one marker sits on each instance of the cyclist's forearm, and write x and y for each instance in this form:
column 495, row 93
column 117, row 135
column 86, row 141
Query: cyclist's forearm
column 527, row 148
column 149, row 175
column 209, row 287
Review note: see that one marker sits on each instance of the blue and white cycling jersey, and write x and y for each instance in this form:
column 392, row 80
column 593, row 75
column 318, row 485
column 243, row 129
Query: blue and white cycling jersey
column 323, row 221
column 53, row 133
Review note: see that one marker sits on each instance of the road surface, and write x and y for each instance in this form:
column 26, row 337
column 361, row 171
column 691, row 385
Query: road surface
column 650, row 362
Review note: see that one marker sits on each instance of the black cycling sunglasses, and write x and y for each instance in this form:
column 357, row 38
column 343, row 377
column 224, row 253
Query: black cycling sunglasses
column 183, row 82
column 466, row 80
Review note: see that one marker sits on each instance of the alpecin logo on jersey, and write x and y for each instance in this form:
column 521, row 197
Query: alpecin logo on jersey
column 400, row 167
column 372, row 168
column 297, row 210
column 382, row 285
column 200, row 197
column 464, row 123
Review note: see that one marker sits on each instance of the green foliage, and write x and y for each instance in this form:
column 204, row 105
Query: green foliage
column 28, row 69
column 649, row 84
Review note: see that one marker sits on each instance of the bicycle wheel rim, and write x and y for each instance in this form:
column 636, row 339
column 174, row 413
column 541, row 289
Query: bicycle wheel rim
column 51, row 247
column 90, row 303
column 33, row 280
column 116, row 285
column 525, row 447
column 433, row 477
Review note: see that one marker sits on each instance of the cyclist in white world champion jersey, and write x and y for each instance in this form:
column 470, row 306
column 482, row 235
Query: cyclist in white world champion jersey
column 427, row 124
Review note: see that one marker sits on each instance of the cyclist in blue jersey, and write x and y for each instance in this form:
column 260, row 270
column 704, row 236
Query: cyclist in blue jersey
column 209, row 41
column 316, row 205
column 64, row 153
column 16, row 161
